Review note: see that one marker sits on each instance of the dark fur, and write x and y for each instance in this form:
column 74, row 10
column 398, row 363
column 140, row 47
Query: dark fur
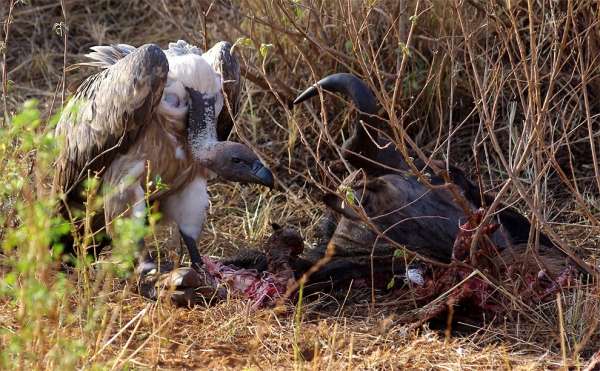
column 283, row 249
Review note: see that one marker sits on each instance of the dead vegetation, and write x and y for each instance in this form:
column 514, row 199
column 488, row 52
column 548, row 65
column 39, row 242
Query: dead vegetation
column 508, row 90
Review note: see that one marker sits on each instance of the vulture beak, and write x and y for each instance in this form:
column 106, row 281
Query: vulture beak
column 262, row 175
column 231, row 161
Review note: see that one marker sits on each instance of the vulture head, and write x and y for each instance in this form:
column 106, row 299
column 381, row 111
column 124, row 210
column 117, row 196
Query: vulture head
column 236, row 162
column 228, row 160
column 364, row 148
column 193, row 96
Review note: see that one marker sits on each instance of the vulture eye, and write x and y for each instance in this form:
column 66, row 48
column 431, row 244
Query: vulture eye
column 236, row 160
column 172, row 100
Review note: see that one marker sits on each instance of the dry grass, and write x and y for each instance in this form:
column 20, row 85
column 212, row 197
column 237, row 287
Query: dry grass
column 510, row 86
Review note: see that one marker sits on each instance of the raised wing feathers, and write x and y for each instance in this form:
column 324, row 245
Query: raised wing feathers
column 108, row 110
column 221, row 59
column 104, row 56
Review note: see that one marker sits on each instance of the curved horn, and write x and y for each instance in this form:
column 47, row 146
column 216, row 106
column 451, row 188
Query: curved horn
column 347, row 84
column 361, row 142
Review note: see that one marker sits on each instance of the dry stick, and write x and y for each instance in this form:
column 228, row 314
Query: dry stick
column 7, row 23
column 329, row 253
column 578, row 198
column 562, row 246
column 33, row 9
column 169, row 17
column 375, row 55
column 249, row 73
column 302, row 137
column 586, row 102
column 521, row 89
column 534, row 233
column 397, row 83
column 133, row 332
column 115, row 336
column 491, row 210
column 561, row 327
column 122, row 363
column 203, row 15
column 517, row 183
column 339, row 57
column 295, row 36
column 403, row 137
column 65, row 30
column 586, row 338
column 451, row 102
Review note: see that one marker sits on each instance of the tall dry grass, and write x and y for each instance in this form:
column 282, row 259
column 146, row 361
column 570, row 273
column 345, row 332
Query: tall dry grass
column 508, row 89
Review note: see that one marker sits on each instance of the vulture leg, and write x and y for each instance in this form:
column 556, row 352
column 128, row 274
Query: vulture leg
column 188, row 209
column 192, row 248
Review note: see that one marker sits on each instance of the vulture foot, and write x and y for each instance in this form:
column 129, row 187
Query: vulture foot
column 182, row 287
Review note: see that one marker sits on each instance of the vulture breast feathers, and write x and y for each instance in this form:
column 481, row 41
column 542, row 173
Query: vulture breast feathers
column 112, row 108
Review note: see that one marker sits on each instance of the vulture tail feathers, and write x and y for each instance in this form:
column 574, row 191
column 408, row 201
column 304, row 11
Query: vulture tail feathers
column 104, row 56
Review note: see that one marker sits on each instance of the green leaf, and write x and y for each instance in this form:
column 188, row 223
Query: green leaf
column 298, row 10
column 391, row 284
column 349, row 46
column 264, row 49
column 349, row 195
column 29, row 117
column 398, row 253
column 244, row 41
column 404, row 49
column 91, row 184
column 160, row 185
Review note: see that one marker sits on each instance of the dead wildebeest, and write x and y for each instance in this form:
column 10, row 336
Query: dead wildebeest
column 319, row 271
column 393, row 207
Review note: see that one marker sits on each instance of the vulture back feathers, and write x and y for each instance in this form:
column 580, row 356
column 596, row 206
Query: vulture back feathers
column 106, row 114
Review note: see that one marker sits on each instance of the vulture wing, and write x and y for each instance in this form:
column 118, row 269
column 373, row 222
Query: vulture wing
column 108, row 110
column 224, row 63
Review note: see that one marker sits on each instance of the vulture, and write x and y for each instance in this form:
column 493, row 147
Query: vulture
column 147, row 115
